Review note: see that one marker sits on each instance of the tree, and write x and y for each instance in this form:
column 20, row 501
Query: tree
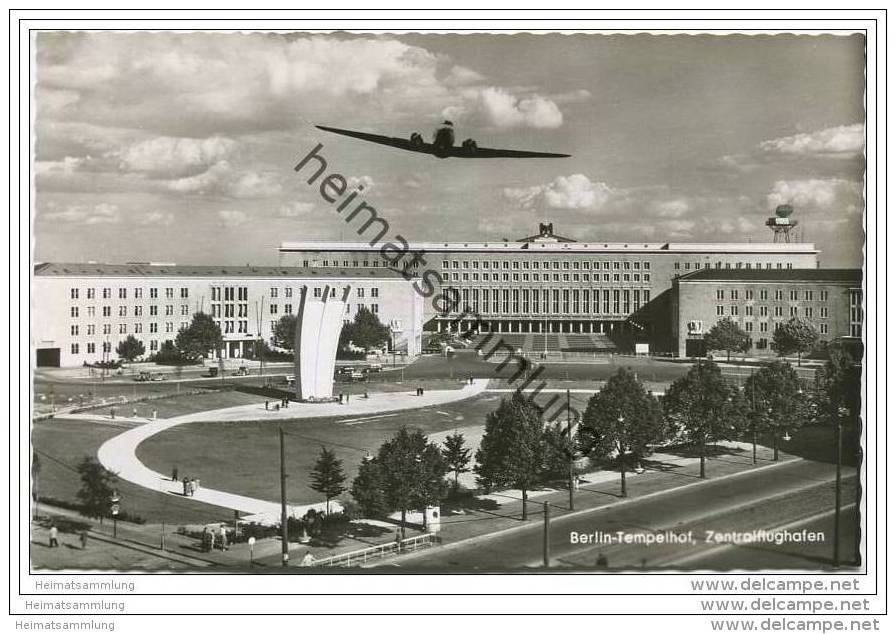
column 367, row 489
column 201, row 336
column 456, row 455
column 35, row 478
column 559, row 450
column 795, row 335
column 837, row 393
column 727, row 335
column 407, row 473
column 701, row 406
column 623, row 418
column 776, row 397
column 168, row 354
column 511, row 453
column 365, row 331
column 130, row 348
column 327, row 476
column 284, row 335
column 96, row 488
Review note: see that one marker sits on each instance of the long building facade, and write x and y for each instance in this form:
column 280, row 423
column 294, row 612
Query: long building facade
column 761, row 301
column 80, row 312
column 547, row 283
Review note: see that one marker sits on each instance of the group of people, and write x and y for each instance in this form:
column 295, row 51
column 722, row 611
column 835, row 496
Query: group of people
column 54, row 537
column 212, row 539
column 284, row 403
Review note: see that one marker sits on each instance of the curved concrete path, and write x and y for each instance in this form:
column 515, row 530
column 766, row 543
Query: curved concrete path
column 118, row 454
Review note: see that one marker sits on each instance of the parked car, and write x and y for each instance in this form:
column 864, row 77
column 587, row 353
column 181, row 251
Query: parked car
column 242, row 371
column 144, row 376
column 375, row 367
column 158, row 376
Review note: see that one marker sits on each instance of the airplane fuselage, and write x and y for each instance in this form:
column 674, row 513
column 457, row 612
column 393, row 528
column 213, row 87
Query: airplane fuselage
column 443, row 140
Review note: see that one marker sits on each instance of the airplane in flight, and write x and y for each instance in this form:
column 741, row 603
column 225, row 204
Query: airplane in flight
column 442, row 145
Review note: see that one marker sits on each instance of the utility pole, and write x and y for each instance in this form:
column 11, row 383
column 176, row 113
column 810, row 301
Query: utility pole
column 284, row 529
column 572, row 474
column 547, row 532
column 838, row 436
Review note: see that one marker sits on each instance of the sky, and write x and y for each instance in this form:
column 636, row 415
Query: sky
column 180, row 147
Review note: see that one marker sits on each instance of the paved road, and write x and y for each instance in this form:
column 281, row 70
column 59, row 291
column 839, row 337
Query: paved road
column 763, row 500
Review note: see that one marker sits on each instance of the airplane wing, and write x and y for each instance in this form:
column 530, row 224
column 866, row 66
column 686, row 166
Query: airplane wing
column 485, row 152
column 396, row 142
column 429, row 148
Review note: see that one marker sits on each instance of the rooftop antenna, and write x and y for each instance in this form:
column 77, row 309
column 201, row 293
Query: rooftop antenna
column 781, row 223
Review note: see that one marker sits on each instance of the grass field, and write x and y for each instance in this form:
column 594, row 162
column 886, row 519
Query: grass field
column 63, row 444
column 243, row 457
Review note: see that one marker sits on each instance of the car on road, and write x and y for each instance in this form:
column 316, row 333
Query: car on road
column 158, row 376
column 375, row 367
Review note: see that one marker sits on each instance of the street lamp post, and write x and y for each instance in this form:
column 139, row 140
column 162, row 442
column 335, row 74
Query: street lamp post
column 619, row 433
column 838, row 435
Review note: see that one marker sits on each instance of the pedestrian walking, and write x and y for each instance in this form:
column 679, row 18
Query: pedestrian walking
column 134, row 412
column 112, row 413
column 308, row 559
column 83, row 538
column 267, row 405
column 192, row 487
column 222, row 533
column 155, row 413
column 54, row 536
column 186, row 486
column 174, row 474
column 397, row 540
column 205, row 539
column 196, row 485
column 211, row 541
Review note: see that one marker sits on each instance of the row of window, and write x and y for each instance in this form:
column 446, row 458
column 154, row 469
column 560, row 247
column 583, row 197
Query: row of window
column 241, row 293
column 106, row 311
column 624, row 265
column 106, row 347
column 546, row 277
column 548, row 301
column 763, row 327
column 678, row 266
column 90, row 293
column 91, row 330
column 734, row 310
column 749, row 294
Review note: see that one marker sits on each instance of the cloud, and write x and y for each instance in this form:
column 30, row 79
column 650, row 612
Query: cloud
column 500, row 108
column 565, row 192
column 671, row 208
column 296, row 209
column 173, row 156
column 232, row 218
column 841, row 141
column 102, row 213
column 355, row 181
column 828, row 195
column 161, row 218
column 224, row 84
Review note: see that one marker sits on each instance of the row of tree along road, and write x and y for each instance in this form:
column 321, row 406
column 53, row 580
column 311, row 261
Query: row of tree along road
column 622, row 425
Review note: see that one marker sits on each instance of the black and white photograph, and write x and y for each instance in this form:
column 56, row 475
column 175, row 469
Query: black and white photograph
column 422, row 302
column 385, row 304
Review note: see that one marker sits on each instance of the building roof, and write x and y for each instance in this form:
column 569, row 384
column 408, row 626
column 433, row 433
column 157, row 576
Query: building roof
column 500, row 246
column 142, row 269
column 851, row 276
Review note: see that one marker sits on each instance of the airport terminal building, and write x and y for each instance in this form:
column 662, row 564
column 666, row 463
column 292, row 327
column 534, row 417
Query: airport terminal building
column 607, row 294
column 80, row 312
column 541, row 292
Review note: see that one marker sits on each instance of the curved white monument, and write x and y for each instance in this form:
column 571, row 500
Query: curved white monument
column 318, row 325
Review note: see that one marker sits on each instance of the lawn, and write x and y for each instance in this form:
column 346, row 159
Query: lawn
column 243, row 457
column 64, row 443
